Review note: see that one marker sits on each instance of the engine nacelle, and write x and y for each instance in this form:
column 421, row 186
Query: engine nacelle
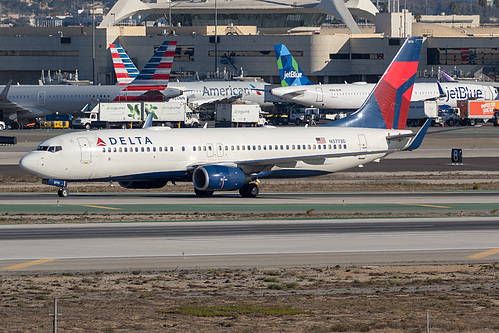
column 218, row 178
column 143, row 184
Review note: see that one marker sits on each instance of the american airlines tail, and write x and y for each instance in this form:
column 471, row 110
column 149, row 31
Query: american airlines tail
column 291, row 74
column 124, row 68
column 153, row 78
column 388, row 104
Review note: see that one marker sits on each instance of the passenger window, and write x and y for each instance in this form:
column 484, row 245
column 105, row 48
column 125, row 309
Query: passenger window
column 259, row 147
column 314, row 147
column 204, row 148
column 103, row 150
column 339, row 146
column 183, row 148
column 334, row 146
column 329, row 147
column 270, row 147
column 171, row 148
column 121, row 150
column 282, row 147
column 237, row 147
column 114, row 150
column 154, row 149
column 323, row 146
column 231, row 147
column 345, row 146
column 136, row 149
column 287, row 147
column 125, row 149
column 109, row 149
column 194, row 148
column 142, row 149
column 242, row 147
column 199, row 148
column 160, row 149
column 298, row 147
column 293, row 147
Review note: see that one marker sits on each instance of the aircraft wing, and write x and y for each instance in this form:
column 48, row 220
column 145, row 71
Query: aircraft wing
column 7, row 106
column 293, row 94
column 219, row 100
column 256, row 166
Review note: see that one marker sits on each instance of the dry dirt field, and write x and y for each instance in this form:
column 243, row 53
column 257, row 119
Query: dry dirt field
column 458, row 298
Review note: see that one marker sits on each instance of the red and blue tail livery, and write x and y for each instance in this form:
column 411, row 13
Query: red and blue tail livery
column 124, row 68
column 388, row 104
column 153, row 78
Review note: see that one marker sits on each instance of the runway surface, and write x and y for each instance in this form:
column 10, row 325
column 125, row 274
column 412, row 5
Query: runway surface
column 123, row 246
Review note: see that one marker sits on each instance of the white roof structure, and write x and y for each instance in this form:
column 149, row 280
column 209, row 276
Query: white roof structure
column 251, row 9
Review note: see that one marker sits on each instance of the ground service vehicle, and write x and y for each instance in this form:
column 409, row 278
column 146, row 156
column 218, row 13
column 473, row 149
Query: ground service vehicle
column 472, row 111
column 128, row 115
column 238, row 115
column 420, row 111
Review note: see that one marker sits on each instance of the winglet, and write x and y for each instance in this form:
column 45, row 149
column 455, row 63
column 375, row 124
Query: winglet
column 440, row 90
column 148, row 122
column 289, row 71
column 447, row 77
column 418, row 139
column 5, row 90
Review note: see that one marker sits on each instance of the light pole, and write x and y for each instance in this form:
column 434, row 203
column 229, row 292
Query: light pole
column 216, row 39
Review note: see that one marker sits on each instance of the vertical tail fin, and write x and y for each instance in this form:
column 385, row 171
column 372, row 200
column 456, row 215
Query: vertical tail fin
column 124, row 68
column 388, row 104
column 291, row 74
column 153, row 78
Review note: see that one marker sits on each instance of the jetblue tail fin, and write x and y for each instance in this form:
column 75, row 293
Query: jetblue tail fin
column 124, row 68
column 388, row 104
column 153, row 78
column 291, row 74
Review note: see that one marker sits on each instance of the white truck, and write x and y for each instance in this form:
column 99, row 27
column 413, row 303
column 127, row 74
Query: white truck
column 237, row 115
column 420, row 111
column 133, row 114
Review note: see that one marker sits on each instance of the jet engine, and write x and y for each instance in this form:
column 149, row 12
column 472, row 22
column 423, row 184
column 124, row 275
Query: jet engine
column 143, row 184
column 218, row 178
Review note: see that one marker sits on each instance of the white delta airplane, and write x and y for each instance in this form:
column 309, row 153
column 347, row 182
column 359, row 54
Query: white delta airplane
column 18, row 102
column 227, row 159
column 202, row 92
column 297, row 88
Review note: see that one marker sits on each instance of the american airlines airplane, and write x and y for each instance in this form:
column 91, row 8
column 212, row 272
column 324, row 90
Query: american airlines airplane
column 20, row 102
column 202, row 92
column 297, row 88
column 229, row 159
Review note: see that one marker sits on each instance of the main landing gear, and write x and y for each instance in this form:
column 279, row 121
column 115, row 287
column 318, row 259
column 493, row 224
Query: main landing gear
column 63, row 192
column 250, row 190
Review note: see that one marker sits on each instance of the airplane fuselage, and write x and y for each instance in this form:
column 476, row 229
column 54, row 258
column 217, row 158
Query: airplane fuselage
column 198, row 93
column 352, row 96
column 172, row 154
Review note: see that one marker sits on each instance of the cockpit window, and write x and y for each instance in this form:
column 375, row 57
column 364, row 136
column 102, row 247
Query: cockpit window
column 52, row 149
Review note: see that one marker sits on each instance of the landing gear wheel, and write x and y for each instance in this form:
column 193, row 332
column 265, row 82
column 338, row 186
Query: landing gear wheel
column 297, row 121
column 63, row 192
column 87, row 126
column 249, row 190
column 200, row 193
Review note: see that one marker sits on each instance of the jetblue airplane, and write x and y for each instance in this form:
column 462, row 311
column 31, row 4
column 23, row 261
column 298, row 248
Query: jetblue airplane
column 297, row 88
column 229, row 159
column 202, row 92
column 19, row 102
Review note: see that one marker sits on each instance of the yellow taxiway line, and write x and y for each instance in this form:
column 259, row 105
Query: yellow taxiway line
column 30, row 263
column 421, row 205
column 102, row 207
column 483, row 254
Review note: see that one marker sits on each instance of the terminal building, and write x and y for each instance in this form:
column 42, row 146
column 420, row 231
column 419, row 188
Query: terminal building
column 328, row 51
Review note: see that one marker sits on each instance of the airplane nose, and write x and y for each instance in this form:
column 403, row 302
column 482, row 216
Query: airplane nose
column 29, row 163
